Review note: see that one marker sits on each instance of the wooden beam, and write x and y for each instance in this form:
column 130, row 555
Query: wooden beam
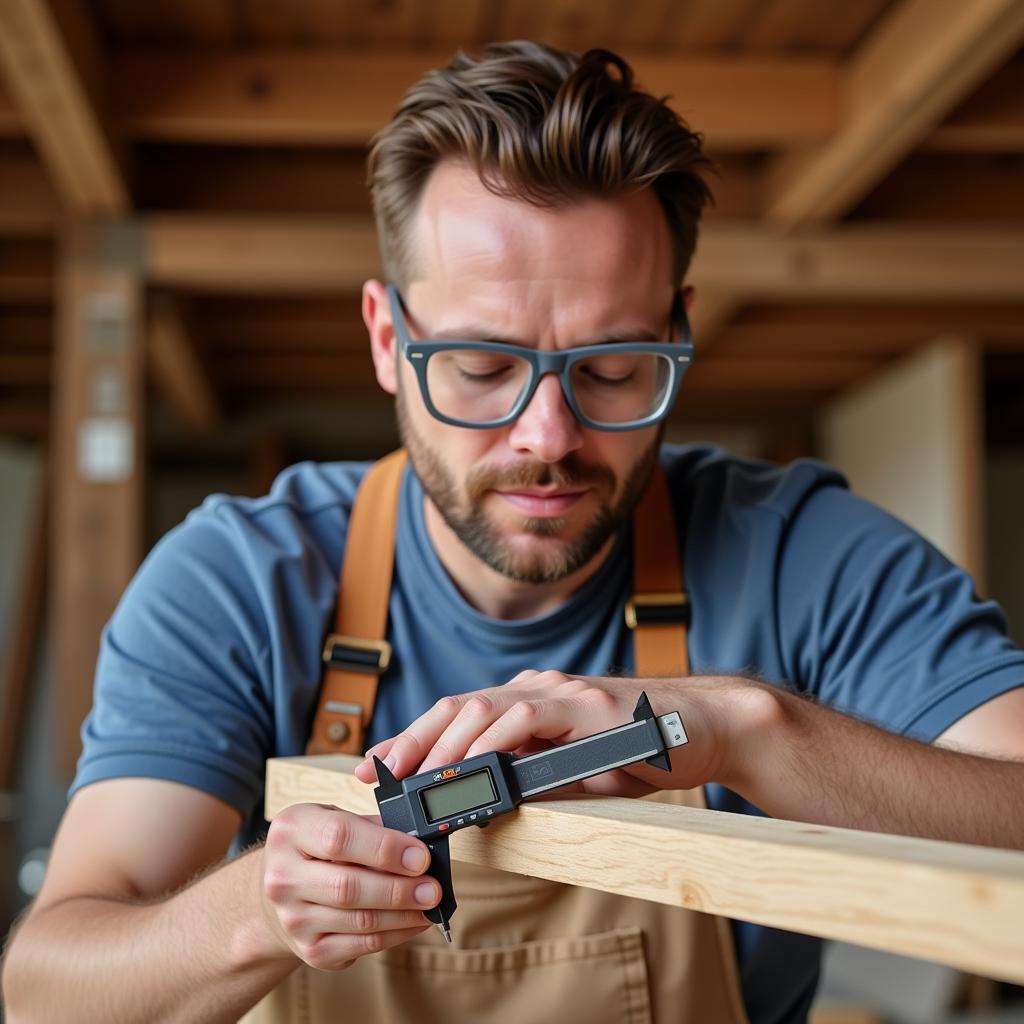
column 48, row 75
column 823, row 328
column 325, row 256
column 268, row 255
column 956, row 904
column 176, row 368
column 925, row 58
column 896, row 262
column 312, row 97
column 99, row 456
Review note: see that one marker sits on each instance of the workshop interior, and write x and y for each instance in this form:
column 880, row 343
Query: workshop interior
column 185, row 227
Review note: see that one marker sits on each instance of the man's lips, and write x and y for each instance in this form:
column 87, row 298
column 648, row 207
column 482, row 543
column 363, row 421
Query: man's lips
column 540, row 503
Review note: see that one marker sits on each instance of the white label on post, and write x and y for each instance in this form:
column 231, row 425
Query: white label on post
column 106, row 450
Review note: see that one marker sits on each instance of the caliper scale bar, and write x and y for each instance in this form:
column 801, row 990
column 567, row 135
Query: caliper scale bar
column 433, row 804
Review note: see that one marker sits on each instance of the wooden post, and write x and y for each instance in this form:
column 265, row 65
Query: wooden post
column 99, row 454
column 947, row 902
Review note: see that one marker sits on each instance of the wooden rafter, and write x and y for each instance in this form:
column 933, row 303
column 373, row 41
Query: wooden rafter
column 335, row 256
column 949, row 902
column 311, row 97
column 924, row 59
column 212, row 253
column 49, row 75
column 918, row 67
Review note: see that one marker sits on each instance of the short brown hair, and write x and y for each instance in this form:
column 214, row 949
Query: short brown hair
column 542, row 126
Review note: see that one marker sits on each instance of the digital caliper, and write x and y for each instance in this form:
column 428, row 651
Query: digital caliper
column 434, row 804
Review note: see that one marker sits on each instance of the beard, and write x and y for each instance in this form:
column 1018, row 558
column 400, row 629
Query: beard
column 471, row 524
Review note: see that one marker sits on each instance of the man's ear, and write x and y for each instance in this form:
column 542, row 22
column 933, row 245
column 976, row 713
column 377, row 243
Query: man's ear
column 383, row 349
column 688, row 295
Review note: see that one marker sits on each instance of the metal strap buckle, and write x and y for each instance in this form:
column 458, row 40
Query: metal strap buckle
column 354, row 654
column 665, row 609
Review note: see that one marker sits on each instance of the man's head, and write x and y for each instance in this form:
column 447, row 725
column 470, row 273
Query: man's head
column 535, row 198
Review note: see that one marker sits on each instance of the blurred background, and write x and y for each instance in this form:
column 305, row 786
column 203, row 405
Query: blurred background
column 184, row 228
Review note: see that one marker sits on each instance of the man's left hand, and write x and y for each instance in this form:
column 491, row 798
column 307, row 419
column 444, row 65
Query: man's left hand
column 536, row 710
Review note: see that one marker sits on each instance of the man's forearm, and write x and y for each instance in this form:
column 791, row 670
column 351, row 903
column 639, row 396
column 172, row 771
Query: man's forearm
column 809, row 763
column 194, row 956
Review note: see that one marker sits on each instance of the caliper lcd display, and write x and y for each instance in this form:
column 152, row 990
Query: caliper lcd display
column 457, row 796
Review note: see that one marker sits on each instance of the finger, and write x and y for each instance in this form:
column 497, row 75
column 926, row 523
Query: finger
column 307, row 922
column 329, row 834
column 526, row 722
column 409, row 748
column 331, row 952
column 349, row 886
column 478, row 714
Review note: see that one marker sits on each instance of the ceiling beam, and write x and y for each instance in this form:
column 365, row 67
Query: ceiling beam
column 917, row 67
column 286, row 255
column 322, row 256
column 49, row 65
column 175, row 366
column 920, row 64
column 897, row 262
column 321, row 98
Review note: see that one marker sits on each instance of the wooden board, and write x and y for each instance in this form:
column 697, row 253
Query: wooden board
column 960, row 905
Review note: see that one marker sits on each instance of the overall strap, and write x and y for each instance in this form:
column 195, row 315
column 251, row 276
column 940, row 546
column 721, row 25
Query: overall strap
column 356, row 654
column 659, row 610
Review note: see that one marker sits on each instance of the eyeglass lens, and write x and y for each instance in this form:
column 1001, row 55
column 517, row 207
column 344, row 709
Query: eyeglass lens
column 481, row 387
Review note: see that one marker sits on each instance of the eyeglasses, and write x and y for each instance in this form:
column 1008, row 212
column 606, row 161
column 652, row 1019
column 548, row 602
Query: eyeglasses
column 617, row 385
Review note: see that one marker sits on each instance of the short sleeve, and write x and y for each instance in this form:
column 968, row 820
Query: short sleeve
column 875, row 621
column 181, row 680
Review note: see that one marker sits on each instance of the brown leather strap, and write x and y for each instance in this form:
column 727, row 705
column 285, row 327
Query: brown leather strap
column 659, row 646
column 347, row 696
column 348, row 693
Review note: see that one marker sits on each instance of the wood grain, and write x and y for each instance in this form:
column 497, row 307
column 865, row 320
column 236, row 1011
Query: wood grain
column 952, row 903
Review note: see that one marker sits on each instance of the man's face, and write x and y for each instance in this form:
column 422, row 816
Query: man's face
column 539, row 498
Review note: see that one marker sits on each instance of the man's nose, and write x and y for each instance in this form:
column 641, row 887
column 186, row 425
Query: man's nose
column 547, row 427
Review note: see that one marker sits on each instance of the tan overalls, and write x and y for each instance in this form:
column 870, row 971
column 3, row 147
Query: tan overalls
column 524, row 950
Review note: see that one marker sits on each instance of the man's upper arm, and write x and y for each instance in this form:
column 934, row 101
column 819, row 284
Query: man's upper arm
column 135, row 838
column 995, row 729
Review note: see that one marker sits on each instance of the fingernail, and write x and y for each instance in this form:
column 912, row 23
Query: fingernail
column 390, row 761
column 414, row 859
column 426, row 894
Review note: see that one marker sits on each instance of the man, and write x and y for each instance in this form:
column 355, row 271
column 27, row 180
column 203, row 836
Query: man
column 535, row 203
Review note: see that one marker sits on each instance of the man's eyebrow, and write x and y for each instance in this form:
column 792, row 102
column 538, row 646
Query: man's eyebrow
column 472, row 332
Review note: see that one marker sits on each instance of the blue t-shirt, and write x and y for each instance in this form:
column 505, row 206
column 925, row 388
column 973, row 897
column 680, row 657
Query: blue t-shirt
column 211, row 662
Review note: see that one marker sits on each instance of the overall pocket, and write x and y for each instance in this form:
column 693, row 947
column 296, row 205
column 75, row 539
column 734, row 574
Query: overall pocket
column 594, row 978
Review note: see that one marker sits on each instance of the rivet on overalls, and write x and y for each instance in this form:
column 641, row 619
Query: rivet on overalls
column 337, row 732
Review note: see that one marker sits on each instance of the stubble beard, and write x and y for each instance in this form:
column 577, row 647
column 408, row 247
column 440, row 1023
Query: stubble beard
column 471, row 524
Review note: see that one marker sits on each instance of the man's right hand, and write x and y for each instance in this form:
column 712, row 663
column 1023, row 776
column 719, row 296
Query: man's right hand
column 336, row 885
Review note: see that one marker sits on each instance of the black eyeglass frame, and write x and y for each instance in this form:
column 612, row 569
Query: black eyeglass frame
column 418, row 354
